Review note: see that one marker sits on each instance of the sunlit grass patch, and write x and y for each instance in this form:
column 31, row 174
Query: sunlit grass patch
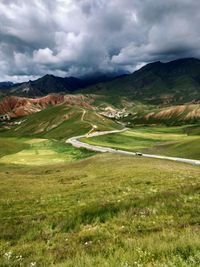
column 38, row 151
column 35, row 157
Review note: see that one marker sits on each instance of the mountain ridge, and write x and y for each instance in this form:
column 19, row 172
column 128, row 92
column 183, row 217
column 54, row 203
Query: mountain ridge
column 174, row 82
column 50, row 83
column 157, row 83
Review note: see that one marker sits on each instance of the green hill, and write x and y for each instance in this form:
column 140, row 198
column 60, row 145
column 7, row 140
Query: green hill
column 59, row 122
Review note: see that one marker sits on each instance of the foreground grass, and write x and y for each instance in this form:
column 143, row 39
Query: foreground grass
column 106, row 210
column 169, row 141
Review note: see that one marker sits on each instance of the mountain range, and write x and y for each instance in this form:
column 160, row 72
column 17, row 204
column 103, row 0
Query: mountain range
column 52, row 84
column 156, row 83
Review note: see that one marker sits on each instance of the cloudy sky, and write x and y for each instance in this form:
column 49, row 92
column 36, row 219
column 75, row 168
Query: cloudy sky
column 78, row 37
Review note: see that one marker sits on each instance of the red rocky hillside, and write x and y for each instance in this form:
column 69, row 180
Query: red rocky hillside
column 21, row 106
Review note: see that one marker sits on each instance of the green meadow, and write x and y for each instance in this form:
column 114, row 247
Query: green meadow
column 104, row 210
column 170, row 141
column 65, row 207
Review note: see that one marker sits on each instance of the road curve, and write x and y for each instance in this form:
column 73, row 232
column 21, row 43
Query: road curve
column 79, row 144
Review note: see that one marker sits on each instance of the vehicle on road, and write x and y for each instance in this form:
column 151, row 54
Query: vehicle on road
column 138, row 154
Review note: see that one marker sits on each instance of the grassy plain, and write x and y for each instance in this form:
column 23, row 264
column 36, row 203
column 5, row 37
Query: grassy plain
column 170, row 141
column 106, row 210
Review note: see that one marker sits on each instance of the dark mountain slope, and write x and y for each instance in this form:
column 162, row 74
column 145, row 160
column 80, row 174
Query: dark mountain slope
column 157, row 83
column 51, row 84
column 4, row 88
column 6, row 84
column 42, row 86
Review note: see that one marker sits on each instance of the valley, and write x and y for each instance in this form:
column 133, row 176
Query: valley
column 99, row 133
column 62, row 205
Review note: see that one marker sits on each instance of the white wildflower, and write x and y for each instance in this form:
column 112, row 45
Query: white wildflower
column 8, row 255
column 33, row 263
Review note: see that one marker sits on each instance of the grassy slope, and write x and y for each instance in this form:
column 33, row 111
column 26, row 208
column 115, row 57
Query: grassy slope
column 193, row 130
column 59, row 122
column 171, row 141
column 101, row 211
column 172, row 115
column 184, row 149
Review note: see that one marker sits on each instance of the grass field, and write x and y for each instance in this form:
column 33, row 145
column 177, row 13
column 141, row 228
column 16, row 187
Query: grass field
column 106, row 210
column 170, row 141
column 65, row 207
column 27, row 151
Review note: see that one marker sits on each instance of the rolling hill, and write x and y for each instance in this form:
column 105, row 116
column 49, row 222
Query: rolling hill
column 72, row 117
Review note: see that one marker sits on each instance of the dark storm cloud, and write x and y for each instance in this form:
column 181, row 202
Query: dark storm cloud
column 76, row 37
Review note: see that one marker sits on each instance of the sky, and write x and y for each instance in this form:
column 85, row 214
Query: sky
column 81, row 37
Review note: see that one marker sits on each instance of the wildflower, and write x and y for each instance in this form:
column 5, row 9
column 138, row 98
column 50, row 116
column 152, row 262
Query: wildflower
column 88, row 243
column 19, row 257
column 8, row 255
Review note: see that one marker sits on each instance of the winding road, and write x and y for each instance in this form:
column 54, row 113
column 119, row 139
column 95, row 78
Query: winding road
column 79, row 144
